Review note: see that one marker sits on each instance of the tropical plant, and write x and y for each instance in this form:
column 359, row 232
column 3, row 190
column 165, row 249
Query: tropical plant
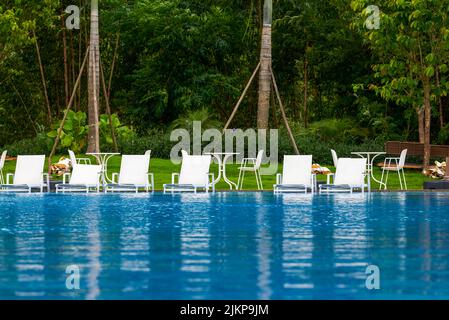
column 208, row 121
column 122, row 132
column 74, row 132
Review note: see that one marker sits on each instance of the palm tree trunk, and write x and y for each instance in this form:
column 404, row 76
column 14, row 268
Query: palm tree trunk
column 427, row 121
column 66, row 68
column 93, row 140
column 263, row 111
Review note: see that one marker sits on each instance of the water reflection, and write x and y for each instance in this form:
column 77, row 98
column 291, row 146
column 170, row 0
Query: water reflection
column 224, row 246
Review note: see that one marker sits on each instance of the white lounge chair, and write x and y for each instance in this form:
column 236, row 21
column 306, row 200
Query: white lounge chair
column 350, row 175
column 133, row 175
column 76, row 160
column 296, row 175
column 194, row 175
column 251, row 165
column 29, row 175
column 82, row 179
column 2, row 165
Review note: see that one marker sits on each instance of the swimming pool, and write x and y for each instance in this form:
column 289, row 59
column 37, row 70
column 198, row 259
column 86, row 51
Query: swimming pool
column 224, row 246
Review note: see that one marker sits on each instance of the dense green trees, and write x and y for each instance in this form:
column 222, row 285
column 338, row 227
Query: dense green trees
column 412, row 44
column 169, row 58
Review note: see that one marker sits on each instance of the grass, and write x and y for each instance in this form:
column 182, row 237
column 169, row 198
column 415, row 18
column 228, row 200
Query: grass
column 163, row 169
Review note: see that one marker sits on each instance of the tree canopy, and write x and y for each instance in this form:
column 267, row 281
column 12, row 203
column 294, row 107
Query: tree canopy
column 167, row 59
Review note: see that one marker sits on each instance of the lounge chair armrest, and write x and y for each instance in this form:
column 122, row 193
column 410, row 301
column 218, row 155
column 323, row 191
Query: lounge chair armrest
column 279, row 178
column 174, row 176
column 115, row 176
column 8, row 178
column 246, row 160
column 389, row 160
column 212, row 178
column 329, row 176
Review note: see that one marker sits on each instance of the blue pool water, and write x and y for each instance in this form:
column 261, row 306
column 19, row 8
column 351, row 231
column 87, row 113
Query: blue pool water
column 224, row 246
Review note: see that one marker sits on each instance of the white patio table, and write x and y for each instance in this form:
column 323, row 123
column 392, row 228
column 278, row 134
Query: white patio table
column 370, row 157
column 102, row 159
column 222, row 158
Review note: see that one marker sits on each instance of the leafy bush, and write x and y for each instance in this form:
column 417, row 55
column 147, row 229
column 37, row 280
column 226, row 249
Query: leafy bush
column 207, row 119
column 156, row 140
column 312, row 144
column 74, row 133
column 37, row 145
column 121, row 132
column 338, row 130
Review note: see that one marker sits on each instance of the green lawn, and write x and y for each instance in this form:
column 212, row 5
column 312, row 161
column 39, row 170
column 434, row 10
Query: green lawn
column 163, row 169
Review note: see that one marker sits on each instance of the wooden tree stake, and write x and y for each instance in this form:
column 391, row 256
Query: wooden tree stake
column 241, row 97
column 284, row 116
column 108, row 107
column 66, row 112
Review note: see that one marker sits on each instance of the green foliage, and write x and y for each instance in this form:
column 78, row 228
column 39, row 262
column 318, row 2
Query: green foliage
column 185, row 60
column 311, row 144
column 208, row 121
column 30, row 146
column 338, row 130
column 121, row 132
column 156, row 140
column 75, row 130
column 74, row 133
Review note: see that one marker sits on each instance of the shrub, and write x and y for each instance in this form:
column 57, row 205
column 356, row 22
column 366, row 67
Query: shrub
column 155, row 140
column 30, row 146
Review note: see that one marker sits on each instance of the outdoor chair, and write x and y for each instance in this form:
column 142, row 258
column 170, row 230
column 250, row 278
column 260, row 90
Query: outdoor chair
column 296, row 175
column 251, row 165
column 133, row 175
column 82, row 179
column 350, row 175
column 394, row 165
column 194, row 175
column 29, row 175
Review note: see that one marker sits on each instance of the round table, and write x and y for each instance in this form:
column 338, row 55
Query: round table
column 370, row 157
column 102, row 159
column 222, row 157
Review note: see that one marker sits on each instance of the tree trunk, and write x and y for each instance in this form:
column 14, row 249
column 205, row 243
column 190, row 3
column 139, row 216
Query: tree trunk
column 93, row 139
column 440, row 100
column 263, row 111
column 427, row 120
column 420, row 114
